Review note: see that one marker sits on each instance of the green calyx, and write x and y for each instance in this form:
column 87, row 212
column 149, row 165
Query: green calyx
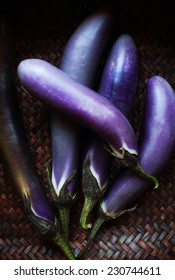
column 48, row 230
column 62, row 202
column 43, row 226
column 131, row 161
column 92, row 193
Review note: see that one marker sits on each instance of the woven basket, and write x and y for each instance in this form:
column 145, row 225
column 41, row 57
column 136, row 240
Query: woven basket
column 149, row 231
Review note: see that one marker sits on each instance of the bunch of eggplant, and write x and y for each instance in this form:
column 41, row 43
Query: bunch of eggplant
column 102, row 112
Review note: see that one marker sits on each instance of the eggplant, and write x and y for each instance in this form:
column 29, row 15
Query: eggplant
column 56, row 89
column 156, row 146
column 118, row 85
column 80, row 60
column 14, row 149
column 120, row 75
column 87, row 44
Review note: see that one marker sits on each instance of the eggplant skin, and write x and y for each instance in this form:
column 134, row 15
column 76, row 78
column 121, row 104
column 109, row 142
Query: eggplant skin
column 14, row 150
column 80, row 60
column 59, row 91
column 120, row 76
column 156, row 146
column 86, row 46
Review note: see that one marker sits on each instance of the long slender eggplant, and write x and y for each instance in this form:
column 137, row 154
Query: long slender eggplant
column 118, row 85
column 80, row 60
column 59, row 91
column 14, row 150
column 156, row 145
column 88, row 42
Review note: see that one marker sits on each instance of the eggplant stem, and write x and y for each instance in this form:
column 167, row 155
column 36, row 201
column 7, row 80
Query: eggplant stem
column 140, row 171
column 100, row 220
column 61, row 243
column 87, row 207
column 64, row 217
column 131, row 161
column 62, row 204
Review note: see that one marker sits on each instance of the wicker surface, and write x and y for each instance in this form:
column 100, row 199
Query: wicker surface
column 149, row 231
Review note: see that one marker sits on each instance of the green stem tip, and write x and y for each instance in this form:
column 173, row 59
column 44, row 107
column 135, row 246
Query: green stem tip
column 87, row 208
column 140, row 171
column 96, row 227
column 100, row 220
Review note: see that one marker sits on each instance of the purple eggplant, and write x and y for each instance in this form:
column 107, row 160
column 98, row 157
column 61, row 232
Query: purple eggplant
column 86, row 46
column 14, row 150
column 118, row 85
column 120, row 75
column 80, row 60
column 156, row 145
column 55, row 88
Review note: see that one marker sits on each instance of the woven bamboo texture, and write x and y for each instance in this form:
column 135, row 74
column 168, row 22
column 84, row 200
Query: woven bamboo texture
column 149, row 231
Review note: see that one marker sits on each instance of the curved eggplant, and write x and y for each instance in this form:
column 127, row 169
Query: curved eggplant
column 80, row 60
column 53, row 87
column 118, row 85
column 156, row 145
column 14, row 149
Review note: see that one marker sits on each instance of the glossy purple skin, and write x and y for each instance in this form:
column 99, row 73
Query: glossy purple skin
column 14, row 150
column 65, row 153
column 118, row 85
column 53, row 87
column 156, row 146
column 86, row 46
column 80, row 61
column 120, row 75
column 100, row 161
